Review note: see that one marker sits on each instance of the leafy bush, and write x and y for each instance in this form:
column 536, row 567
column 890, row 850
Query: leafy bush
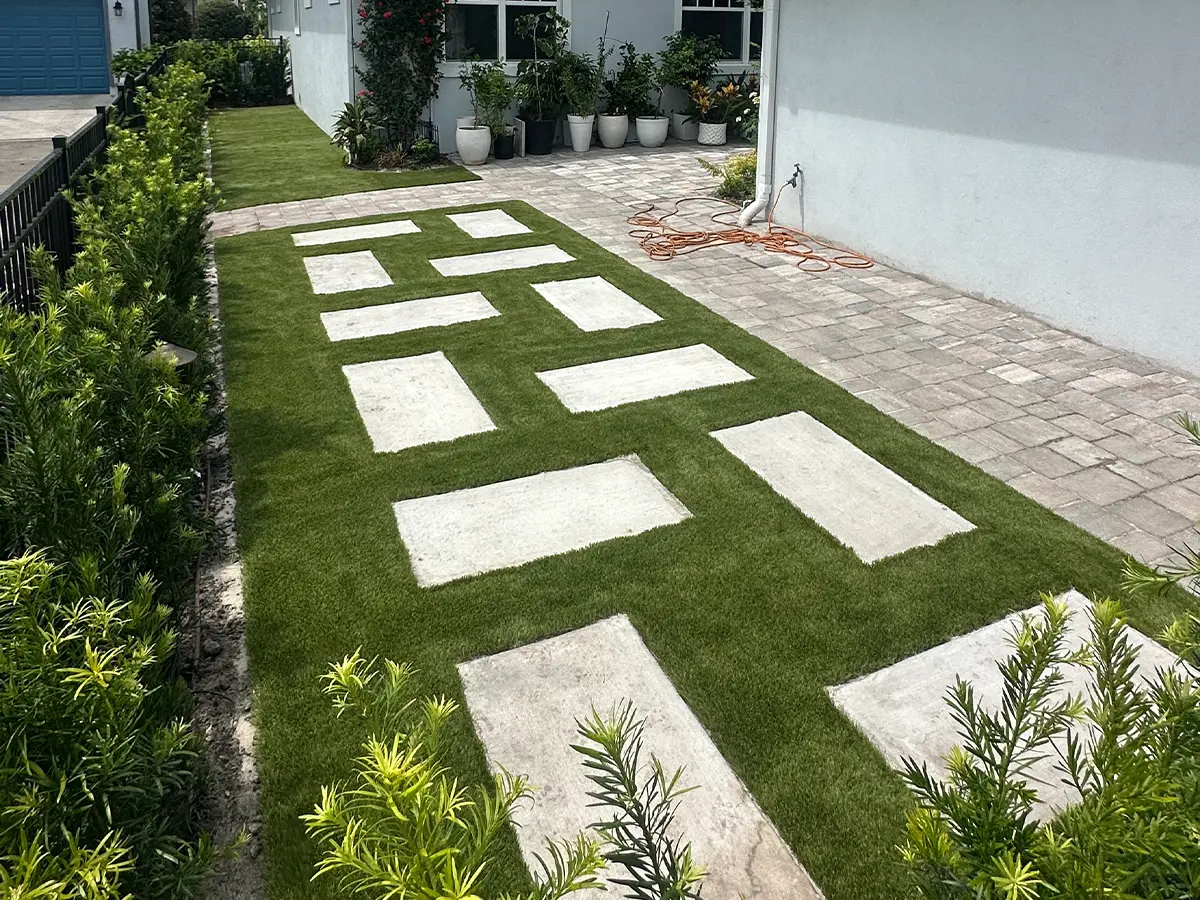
column 582, row 81
column 237, row 73
column 403, row 41
column 539, row 87
column 1135, row 832
column 489, row 91
column 424, row 152
column 99, row 530
column 222, row 20
column 169, row 21
column 688, row 58
column 628, row 88
column 404, row 827
column 356, row 133
column 737, row 174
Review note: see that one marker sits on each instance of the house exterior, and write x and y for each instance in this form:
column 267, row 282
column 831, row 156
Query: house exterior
column 64, row 46
column 322, row 34
column 1042, row 154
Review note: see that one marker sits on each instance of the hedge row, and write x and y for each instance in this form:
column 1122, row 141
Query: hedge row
column 100, row 528
column 250, row 72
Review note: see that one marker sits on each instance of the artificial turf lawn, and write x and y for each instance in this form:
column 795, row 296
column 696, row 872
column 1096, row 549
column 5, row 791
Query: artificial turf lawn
column 751, row 609
column 271, row 154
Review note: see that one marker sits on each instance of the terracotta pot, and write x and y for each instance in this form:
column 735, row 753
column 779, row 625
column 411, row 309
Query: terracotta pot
column 474, row 143
column 652, row 130
column 614, row 131
column 581, row 132
column 712, row 133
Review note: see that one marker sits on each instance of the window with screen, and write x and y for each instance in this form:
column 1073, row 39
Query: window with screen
column 487, row 29
column 737, row 25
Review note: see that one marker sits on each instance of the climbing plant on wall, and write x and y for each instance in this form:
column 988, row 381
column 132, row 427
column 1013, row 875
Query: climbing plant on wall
column 401, row 45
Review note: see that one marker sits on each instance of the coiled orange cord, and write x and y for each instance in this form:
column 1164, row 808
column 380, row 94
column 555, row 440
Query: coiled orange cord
column 664, row 242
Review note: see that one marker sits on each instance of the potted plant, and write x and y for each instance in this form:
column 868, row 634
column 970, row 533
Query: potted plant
column 475, row 141
column 652, row 127
column 495, row 94
column 581, row 81
column 539, row 80
column 627, row 92
column 710, row 107
column 686, row 60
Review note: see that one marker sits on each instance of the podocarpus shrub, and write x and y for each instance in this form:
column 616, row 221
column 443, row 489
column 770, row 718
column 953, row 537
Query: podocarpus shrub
column 99, row 529
column 169, row 21
column 222, row 20
column 237, row 73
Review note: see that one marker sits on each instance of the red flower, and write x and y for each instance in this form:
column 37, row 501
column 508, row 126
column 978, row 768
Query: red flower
column 388, row 14
column 421, row 21
column 428, row 40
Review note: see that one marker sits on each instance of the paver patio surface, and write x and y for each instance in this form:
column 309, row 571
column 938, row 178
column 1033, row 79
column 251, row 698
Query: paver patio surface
column 1082, row 428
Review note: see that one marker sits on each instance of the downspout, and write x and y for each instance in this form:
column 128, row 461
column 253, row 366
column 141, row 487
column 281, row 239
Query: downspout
column 766, row 114
column 137, row 23
column 350, row 48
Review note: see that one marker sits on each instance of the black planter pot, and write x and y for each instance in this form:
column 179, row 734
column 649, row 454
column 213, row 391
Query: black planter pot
column 504, row 147
column 539, row 137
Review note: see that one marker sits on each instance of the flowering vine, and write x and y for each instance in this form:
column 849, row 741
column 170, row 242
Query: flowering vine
column 402, row 42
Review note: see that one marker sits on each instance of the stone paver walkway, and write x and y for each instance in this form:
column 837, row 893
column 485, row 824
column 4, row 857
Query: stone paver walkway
column 1082, row 428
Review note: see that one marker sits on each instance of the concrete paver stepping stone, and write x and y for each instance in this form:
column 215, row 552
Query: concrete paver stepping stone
column 902, row 709
column 594, row 304
column 524, row 703
column 407, row 315
column 338, row 272
column 414, row 400
column 860, row 501
column 628, row 379
column 501, row 260
column 354, row 233
column 488, row 223
column 510, row 523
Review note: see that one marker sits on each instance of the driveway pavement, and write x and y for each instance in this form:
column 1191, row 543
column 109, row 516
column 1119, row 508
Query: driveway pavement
column 1082, row 428
column 28, row 123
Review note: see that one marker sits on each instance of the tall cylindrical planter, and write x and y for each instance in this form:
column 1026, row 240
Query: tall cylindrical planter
column 539, row 136
column 712, row 133
column 474, row 143
column 581, row 132
column 652, row 130
column 614, row 131
column 683, row 129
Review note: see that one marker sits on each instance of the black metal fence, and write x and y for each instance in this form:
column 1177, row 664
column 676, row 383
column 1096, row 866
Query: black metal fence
column 36, row 212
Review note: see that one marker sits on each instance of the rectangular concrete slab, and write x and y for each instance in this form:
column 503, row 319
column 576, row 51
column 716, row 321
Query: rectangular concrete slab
column 501, row 260
column 488, row 223
column 354, row 233
column 524, row 703
column 510, row 523
column 858, row 500
column 595, row 305
column 628, row 379
column 414, row 400
column 409, row 315
column 338, row 272
column 902, row 709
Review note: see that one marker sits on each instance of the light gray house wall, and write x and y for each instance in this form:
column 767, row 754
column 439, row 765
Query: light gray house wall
column 1046, row 154
column 323, row 71
column 131, row 29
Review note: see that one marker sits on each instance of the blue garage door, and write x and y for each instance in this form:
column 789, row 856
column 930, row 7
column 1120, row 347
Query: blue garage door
column 53, row 47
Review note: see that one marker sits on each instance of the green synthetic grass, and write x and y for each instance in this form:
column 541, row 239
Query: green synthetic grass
column 270, row 154
column 751, row 609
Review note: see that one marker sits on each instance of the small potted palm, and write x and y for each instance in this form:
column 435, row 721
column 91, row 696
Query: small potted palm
column 685, row 60
column 652, row 127
column 474, row 141
column 581, row 81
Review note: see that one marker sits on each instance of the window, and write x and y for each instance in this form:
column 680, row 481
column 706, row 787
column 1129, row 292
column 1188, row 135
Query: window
column 736, row 24
column 488, row 28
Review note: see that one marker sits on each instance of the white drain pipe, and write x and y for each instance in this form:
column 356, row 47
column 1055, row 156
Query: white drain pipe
column 766, row 114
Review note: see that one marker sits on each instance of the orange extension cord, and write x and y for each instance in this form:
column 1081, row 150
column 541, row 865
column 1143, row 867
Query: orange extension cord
column 664, row 242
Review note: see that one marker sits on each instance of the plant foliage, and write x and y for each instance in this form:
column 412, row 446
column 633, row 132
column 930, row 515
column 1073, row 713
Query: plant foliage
column 169, row 21
column 539, row 87
column 222, row 20
column 249, row 72
column 688, row 58
column 737, row 174
column 402, row 43
column 356, row 133
column 1129, row 748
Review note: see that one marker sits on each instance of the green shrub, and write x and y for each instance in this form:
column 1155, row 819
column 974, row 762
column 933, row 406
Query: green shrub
column 356, row 133
column 1135, row 831
column 424, row 152
column 169, row 21
column 687, row 59
column 237, row 73
column 738, row 174
column 222, row 20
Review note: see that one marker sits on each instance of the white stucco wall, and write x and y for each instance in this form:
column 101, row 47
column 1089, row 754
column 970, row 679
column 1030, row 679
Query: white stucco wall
column 1045, row 154
column 321, row 74
column 123, row 29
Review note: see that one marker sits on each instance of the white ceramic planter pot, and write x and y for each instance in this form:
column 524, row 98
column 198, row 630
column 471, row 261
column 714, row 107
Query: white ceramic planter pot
column 614, row 131
column 581, row 132
column 712, row 133
column 652, row 130
column 474, row 144
column 683, row 129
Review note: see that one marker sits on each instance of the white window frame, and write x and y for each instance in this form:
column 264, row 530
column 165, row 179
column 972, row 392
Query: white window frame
column 450, row 67
column 724, row 65
column 296, row 7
